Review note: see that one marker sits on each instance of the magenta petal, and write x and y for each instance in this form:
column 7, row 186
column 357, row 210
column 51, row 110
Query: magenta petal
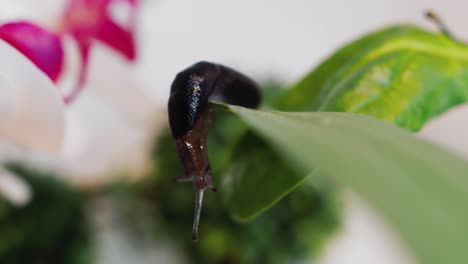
column 42, row 47
column 117, row 38
column 133, row 2
column 88, row 20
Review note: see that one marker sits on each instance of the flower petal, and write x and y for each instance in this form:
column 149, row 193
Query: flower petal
column 34, row 119
column 42, row 47
column 86, row 20
column 14, row 189
column 84, row 49
column 133, row 2
column 117, row 38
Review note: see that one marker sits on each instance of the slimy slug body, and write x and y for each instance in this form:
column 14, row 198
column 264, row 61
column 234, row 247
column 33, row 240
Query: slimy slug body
column 190, row 118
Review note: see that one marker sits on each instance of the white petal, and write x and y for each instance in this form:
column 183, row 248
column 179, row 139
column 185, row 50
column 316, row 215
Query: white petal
column 14, row 189
column 31, row 108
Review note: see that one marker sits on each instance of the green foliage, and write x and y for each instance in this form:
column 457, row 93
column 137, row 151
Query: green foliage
column 50, row 229
column 294, row 228
column 402, row 74
column 420, row 188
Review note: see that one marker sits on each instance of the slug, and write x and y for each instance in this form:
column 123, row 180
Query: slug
column 190, row 116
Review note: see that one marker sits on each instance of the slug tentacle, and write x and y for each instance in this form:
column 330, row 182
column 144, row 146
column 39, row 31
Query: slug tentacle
column 190, row 117
column 196, row 219
column 185, row 178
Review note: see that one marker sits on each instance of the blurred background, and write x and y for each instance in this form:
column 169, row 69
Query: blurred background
column 109, row 131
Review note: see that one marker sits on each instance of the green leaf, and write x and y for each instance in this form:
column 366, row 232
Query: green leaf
column 401, row 74
column 254, row 165
column 420, row 188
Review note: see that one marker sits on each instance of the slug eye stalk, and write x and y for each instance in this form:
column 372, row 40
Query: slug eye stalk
column 190, row 117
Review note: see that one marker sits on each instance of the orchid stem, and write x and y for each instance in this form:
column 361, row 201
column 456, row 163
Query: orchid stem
column 70, row 98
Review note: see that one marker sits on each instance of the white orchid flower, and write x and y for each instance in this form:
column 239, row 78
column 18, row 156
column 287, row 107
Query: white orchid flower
column 31, row 117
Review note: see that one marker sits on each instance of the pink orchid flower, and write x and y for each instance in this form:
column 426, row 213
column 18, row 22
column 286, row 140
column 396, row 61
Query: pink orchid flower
column 86, row 21
column 42, row 47
column 89, row 20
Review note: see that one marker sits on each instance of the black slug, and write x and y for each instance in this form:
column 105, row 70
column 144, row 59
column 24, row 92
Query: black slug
column 190, row 117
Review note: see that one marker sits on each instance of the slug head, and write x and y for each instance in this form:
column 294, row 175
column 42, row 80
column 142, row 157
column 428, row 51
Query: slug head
column 190, row 91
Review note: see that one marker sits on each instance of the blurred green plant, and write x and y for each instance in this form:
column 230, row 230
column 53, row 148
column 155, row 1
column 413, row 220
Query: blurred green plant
column 49, row 229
